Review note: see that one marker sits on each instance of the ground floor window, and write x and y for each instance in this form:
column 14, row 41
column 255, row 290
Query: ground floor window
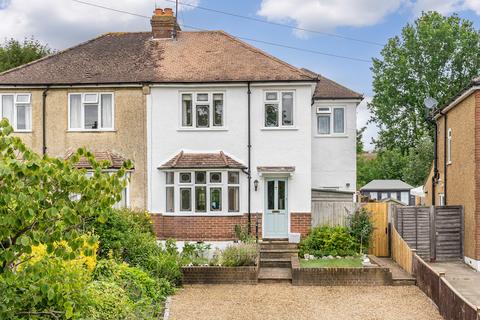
column 202, row 191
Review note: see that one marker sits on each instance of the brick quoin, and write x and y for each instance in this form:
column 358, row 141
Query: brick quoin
column 195, row 228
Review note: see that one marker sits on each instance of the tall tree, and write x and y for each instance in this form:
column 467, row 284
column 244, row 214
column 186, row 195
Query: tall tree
column 436, row 56
column 360, row 144
column 14, row 53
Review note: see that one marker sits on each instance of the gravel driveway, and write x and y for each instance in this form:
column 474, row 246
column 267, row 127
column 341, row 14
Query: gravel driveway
column 284, row 301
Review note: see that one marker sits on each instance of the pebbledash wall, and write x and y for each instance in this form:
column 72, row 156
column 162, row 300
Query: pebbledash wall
column 127, row 138
column 270, row 147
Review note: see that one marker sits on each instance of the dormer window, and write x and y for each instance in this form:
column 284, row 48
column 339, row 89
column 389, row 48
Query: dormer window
column 202, row 110
column 90, row 111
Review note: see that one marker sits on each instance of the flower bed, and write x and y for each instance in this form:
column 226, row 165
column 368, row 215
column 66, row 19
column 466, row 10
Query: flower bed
column 339, row 276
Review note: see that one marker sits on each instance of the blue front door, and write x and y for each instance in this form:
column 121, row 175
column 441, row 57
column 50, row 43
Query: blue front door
column 276, row 214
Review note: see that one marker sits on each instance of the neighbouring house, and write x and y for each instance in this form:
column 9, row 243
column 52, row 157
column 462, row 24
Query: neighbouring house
column 221, row 133
column 455, row 175
column 388, row 189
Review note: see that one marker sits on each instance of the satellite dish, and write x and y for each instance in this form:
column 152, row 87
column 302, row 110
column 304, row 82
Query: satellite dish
column 430, row 103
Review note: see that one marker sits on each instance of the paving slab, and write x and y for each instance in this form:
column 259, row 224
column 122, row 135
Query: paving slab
column 287, row 302
column 462, row 277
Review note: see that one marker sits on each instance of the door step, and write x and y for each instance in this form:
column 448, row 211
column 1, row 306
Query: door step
column 275, row 263
column 404, row 281
column 277, row 253
column 275, row 275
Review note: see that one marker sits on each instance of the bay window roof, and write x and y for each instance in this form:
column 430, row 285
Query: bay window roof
column 116, row 160
column 216, row 160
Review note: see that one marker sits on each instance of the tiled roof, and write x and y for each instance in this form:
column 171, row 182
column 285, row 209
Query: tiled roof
column 199, row 56
column 329, row 89
column 201, row 160
column 116, row 161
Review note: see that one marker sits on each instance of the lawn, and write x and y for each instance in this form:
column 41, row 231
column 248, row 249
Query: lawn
column 332, row 263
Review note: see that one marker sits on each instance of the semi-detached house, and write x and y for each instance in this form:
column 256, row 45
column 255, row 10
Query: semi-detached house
column 220, row 133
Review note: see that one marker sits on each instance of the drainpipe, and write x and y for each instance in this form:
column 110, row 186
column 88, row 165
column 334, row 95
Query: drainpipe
column 445, row 130
column 435, row 162
column 249, row 170
column 44, row 122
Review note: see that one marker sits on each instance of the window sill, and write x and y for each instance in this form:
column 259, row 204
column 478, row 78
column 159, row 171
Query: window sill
column 22, row 131
column 330, row 136
column 279, row 128
column 202, row 129
column 192, row 214
column 91, row 130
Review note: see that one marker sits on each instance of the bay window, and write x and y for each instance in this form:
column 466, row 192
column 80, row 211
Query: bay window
column 202, row 191
column 330, row 120
column 90, row 111
column 202, row 110
column 278, row 109
column 17, row 109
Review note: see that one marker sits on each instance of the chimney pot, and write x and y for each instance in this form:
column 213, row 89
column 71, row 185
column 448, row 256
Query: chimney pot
column 164, row 24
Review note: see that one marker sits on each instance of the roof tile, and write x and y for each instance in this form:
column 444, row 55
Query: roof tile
column 201, row 160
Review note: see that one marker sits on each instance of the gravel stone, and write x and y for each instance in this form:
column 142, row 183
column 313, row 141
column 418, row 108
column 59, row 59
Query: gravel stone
column 285, row 302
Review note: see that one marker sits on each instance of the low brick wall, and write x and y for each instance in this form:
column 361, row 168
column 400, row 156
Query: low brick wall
column 220, row 275
column 368, row 276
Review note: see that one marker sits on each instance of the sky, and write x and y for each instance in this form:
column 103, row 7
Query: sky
column 367, row 24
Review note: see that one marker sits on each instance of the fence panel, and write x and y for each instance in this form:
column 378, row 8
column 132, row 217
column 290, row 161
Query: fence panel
column 332, row 213
column 401, row 252
column 448, row 230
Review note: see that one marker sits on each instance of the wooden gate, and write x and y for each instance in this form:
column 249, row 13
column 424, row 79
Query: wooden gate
column 436, row 232
column 379, row 211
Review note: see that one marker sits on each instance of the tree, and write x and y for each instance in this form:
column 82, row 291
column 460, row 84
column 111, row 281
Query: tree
column 419, row 162
column 435, row 57
column 14, row 53
column 46, row 200
column 360, row 145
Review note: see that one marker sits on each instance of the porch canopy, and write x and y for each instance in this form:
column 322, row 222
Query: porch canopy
column 276, row 171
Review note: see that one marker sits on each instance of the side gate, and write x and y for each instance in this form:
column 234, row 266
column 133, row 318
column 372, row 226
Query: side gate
column 436, row 232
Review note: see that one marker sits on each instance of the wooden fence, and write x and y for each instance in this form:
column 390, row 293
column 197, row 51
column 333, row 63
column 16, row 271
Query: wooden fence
column 451, row 304
column 401, row 252
column 379, row 214
column 332, row 213
column 435, row 232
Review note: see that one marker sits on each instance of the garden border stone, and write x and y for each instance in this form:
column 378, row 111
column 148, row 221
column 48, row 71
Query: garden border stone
column 365, row 276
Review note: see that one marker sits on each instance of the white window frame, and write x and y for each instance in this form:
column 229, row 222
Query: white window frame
column 441, row 199
column 279, row 93
column 83, row 103
column 331, row 111
column 209, row 102
column 208, row 186
column 15, row 105
column 449, row 146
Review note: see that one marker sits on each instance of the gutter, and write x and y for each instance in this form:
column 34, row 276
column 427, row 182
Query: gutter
column 44, row 120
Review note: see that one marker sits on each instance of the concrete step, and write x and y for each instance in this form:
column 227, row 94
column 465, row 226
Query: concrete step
column 275, row 263
column 275, row 275
column 404, row 281
column 283, row 245
column 277, row 253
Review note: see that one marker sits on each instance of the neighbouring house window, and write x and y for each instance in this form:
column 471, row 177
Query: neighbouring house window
column 373, row 195
column 203, row 110
column 203, row 191
column 449, row 146
column 91, row 111
column 17, row 109
column 330, row 120
column 441, row 199
column 279, row 109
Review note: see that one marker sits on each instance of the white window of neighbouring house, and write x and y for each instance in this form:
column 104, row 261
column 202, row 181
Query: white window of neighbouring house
column 202, row 110
column 90, row 111
column 279, row 109
column 441, row 199
column 330, row 120
column 17, row 109
column 449, row 146
column 203, row 191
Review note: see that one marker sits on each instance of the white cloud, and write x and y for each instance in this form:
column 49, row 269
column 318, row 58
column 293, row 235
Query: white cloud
column 444, row 7
column 328, row 14
column 62, row 23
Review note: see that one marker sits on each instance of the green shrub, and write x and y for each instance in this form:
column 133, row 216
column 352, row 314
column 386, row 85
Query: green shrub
column 195, row 253
column 108, row 301
column 164, row 266
column 240, row 255
column 325, row 241
column 241, row 233
column 361, row 228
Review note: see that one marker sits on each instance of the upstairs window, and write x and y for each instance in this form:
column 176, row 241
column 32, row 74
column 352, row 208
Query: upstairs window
column 90, row 111
column 278, row 109
column 330, row 120
column 17, row 109
column 202, row 110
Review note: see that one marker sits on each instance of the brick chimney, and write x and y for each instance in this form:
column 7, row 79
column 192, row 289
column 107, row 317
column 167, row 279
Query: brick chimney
column 164, row 24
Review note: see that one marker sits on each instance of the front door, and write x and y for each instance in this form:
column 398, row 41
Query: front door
column 276, row 214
